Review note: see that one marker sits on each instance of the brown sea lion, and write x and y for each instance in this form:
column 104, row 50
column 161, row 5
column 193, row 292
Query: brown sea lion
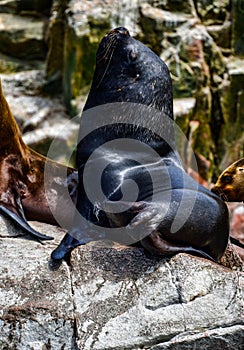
column 230, row 187
column 230, row 184
column 127, row 136
column 22, row 190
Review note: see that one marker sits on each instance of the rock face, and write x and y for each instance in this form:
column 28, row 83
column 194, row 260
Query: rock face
column 114, row 297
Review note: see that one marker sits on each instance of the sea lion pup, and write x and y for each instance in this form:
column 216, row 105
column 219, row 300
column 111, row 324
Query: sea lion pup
column 230, row 187
column 23, row 195
column 129, row 112
column 230, row 184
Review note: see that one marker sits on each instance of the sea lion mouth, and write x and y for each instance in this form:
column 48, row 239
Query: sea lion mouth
column 220, row 193
column 109, row 43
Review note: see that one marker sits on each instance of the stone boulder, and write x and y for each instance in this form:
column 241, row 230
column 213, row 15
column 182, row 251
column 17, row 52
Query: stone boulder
column 114, row 297
column 22, row 37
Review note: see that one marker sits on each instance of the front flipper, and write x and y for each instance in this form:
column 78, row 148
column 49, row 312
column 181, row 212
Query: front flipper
column 67, row 244
column 20, row 220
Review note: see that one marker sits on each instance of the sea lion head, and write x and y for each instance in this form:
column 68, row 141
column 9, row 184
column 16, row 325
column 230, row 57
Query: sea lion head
column 128, row 71
column 230, row 184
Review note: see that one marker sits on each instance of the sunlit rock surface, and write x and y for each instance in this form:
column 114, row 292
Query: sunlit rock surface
column 114, row 297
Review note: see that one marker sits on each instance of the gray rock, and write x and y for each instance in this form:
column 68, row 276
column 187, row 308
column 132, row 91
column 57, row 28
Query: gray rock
column 9, row 64
column 183, row 107
column 124, row 300
column 186, row 6
column 8, row 6
column 212, row 11
column 221, row 34
column 22, row 37
column 218, row 339
column 113, row 297
column 238, row 27
column 17, row 6
column 36, row 304
column 164, row 20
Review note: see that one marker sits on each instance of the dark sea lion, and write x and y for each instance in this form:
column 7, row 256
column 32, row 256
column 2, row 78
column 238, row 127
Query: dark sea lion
column 230, row 183
column 22, row 191
column 171, row 213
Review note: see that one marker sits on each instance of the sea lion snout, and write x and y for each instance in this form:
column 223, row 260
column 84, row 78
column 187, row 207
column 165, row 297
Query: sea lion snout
column 120, row 30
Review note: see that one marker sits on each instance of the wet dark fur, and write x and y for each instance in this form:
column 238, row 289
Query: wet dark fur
column 127, row 71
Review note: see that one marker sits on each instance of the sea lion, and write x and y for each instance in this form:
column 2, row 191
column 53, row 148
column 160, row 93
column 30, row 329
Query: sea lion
column 230, row 183
column 22, row 173
column 171, row 213
column 230, row 187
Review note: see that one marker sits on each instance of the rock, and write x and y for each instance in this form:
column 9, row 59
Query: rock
column 10, row 64
column 237, row 225
column 212, row 11
column 155, row 22
column 187, row 60
column 87, row 23
column 54, row 138
column 218, row 339
column 35, row 6
column 17, row 6
column 183, row 107
column 55, row 62
column 186, row 6
column 36, row 303
column 238, row 27
column 231, row 144
column 22, row 37
column 9, row 6
column 124, row 300
column 114, row 297
column 221, row 34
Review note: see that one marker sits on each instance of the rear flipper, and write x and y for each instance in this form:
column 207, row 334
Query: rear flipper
column 158, row 246
column 20, row 220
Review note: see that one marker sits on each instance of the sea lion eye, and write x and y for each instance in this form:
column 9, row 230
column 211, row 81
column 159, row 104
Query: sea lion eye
column 226, row 178
column 132, row 55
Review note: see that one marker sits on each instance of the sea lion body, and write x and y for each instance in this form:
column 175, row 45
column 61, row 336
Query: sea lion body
column 129, row 74
column 230, row 183
column 23, row 192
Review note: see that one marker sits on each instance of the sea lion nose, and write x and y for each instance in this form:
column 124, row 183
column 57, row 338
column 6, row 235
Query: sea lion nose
column 121, row 30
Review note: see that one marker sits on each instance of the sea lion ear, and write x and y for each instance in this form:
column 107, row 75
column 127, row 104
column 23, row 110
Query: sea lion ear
column 16, row 214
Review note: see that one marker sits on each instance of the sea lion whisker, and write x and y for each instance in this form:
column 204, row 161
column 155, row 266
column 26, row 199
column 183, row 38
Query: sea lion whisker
column 106, row 69
column 106, row 50
column 222, row 195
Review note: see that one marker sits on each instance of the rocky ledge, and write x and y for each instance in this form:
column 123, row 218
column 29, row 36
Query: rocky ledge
column 115, row 297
